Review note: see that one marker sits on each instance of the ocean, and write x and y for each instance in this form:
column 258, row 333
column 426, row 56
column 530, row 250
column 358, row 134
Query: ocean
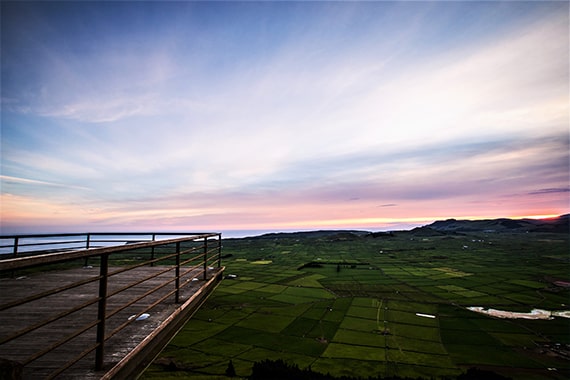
column 79, row 240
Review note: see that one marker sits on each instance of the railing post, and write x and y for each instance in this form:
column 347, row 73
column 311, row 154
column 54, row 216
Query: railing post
column 205, row 258
column 152, row 250
column 14, row 254
column 177, row 294
column 15, row 251
column 101, row 312
column 219, row 250
column 87, row 245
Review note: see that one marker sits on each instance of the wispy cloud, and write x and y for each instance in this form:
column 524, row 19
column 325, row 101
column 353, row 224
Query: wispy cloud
column 273, row 113
column 10, row 179
column 550, row 191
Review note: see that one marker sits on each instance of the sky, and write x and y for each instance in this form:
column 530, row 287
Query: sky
column 220, row 116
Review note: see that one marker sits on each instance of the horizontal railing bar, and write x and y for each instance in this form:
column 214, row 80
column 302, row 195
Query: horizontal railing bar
column 83, row 354
column 185, row 251
column 213, row 260
column 215, row 249
column 193, row 258
column 135, row 300
column 20, row 236
column 20, row 244
column 150, row 307
column 23, row 236
column 126, row 269
column 188, row 261
column 49, row 258
column 60, row 342
column 49, row 320
column 151, row 291
column 44, row 243
column 48, row 293
column 201, row 271
column 191, row 269
column 129, row 241
column 111, row 294
column 24, row 254
column 144, row 263
column 213, row 263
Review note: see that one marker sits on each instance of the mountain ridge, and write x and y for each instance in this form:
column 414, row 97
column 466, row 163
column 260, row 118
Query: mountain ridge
column 559, row 224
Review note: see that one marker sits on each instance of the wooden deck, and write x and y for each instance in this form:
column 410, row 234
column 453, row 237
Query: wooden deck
column 127, row 352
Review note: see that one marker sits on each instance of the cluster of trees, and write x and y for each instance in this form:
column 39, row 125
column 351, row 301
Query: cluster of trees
column 279, row 370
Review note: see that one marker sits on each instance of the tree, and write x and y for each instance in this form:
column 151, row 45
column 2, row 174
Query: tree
column 231, row 371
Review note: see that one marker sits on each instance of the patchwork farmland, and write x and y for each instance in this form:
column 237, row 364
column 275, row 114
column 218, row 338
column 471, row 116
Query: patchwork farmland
column 356, row 304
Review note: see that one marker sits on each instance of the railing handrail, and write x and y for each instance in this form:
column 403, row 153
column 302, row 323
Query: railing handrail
column 49, row 258
column 11, row 236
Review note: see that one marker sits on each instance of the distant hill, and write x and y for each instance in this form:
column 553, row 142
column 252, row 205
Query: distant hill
column 557, row 225
column 320, row 234
column 439, row 228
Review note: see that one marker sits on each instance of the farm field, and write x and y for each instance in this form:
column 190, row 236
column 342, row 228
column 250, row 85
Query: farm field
column 357, row 305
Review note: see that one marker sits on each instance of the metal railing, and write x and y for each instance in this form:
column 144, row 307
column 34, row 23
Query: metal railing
column 32, row 244
column 180, row 259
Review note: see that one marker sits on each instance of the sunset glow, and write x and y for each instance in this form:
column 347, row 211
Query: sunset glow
column 227, row 116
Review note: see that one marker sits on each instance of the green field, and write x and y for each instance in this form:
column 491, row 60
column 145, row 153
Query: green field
column 350, row 306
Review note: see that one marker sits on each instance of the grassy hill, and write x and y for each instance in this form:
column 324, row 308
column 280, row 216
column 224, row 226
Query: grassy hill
column 555, row 225
column 353, row 303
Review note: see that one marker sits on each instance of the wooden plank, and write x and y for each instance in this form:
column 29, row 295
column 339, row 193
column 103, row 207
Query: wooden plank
column 118, row 346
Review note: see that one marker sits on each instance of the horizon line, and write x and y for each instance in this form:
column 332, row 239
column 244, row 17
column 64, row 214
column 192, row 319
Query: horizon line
column 410, row 223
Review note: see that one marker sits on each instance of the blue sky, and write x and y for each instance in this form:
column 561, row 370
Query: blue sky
column 281, row 115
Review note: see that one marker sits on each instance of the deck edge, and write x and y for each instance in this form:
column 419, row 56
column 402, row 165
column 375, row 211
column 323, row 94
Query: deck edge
column 136, row 361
